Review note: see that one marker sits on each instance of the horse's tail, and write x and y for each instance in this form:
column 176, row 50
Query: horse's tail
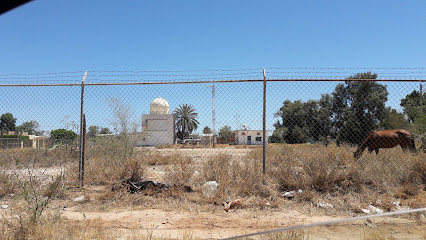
column 413, row 145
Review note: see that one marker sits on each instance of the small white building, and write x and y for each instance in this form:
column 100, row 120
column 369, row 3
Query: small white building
column 249, row 137
column 207, row 139
column 158, row 127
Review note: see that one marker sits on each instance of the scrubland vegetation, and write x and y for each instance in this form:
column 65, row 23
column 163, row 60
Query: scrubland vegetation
column 36, row 183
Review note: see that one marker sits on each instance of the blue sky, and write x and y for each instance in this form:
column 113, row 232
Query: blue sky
column 46, row 36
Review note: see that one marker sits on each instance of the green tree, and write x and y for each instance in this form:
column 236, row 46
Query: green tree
column 393, row 120
column 324, row 128
column 363, row 105
column 105, row 130
column 186, row 120
column 32, row 127
column 419, row 125
column 63, row 135
column 93, row 130
column 303, row 121
column 207, row 130
column 338, row 107
column 7, row 122
column 225, row 133
column 411, row 105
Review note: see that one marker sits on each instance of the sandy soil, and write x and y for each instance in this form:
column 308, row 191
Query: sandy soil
column 221, row 224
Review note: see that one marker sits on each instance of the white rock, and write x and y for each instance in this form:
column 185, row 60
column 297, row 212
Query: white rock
column 79, row 199
column 325, row 205
column 365, row 210
column 4, row 206
column 374, row 209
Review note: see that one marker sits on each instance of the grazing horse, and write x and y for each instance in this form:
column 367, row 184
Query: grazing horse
column 386, row 139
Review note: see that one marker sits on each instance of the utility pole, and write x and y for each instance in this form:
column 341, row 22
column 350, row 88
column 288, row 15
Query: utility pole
column 82, row 120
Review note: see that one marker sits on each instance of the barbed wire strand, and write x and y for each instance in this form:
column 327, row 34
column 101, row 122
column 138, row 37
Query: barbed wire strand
column 147, row 82
column 329, row 223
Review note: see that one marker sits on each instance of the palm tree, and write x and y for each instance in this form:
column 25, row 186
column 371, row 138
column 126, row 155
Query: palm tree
column 186, row 119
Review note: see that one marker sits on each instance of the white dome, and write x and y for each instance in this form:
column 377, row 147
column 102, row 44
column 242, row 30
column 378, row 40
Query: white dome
column 159, row 106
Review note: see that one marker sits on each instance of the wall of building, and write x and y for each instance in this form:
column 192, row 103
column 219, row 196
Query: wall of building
column 242, row 137
column 157, row 129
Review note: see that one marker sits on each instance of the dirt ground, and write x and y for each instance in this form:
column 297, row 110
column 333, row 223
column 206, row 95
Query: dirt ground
column 215, row 223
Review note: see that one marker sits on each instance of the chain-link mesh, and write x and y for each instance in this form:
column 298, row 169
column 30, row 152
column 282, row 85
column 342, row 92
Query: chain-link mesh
column 334, row 136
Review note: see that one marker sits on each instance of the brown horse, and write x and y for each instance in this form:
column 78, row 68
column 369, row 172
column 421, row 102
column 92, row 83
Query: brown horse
column 386, row 139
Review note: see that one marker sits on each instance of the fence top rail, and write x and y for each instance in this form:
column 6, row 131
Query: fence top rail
column 208, row 82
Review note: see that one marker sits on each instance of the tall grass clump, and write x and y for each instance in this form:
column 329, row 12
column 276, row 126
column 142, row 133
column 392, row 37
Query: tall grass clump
column 181, row 172
column 111, row 158
column 107, row 163
column 7, row 185
column 312, row 167
column 52, row 227
column 237, row 177
column 333, row 169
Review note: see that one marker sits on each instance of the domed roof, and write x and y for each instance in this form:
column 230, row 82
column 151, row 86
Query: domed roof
column 159, row 106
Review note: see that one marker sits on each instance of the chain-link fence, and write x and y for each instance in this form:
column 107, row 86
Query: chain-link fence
column 295, row 138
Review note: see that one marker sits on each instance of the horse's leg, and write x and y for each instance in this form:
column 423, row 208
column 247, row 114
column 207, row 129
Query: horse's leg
column 377, row 151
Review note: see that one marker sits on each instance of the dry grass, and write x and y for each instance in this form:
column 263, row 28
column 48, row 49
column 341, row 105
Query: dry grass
column 376, row 235
column 321, row 172
column 54, row 227
column 181, row 173
column 7, row 185
column 333, row 170
column 237, row 178
column 286, row 235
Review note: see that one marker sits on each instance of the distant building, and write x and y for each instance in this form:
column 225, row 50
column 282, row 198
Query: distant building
column 249, row 137
column 158, row 127
column 39, row 141
column 207, row 138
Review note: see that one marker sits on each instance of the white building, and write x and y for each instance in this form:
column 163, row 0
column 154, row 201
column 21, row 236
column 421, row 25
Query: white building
column 158, row 127
column 250, row 137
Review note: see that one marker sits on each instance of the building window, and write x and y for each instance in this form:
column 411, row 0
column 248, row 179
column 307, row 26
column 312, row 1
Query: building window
column 258, row 139
column 258, row 134
column 243, row 133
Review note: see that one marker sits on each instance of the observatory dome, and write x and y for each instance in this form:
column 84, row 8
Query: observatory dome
column 159, row 106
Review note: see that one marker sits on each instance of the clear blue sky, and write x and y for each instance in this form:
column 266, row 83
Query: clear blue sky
column 46, row 36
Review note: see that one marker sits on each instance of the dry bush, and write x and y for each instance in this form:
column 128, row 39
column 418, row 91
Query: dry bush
column 52, row 227
column 312, row 167
column 162, row 159
column 377, row 234
column 286, row 235
column 7, row 185
column 38, row 157
column 181, row 172
column 333, row 170
column 109, row 160
column 237, row 177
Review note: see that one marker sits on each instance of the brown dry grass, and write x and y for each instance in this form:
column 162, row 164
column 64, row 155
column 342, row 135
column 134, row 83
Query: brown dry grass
column 55, row 227
column 321, row 173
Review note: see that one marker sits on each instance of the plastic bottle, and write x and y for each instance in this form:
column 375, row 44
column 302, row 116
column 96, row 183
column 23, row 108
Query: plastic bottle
column 209, row 189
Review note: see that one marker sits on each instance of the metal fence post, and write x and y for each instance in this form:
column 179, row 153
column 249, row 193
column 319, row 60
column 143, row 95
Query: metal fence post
column 80, row 163
column 421, row 98
column 264, row 121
